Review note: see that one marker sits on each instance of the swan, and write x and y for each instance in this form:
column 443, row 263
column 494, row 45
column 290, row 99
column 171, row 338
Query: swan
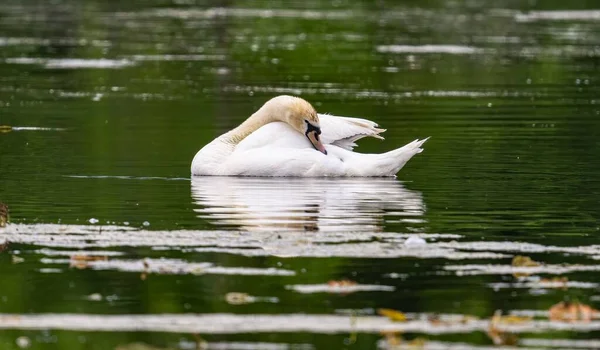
column 287, row 137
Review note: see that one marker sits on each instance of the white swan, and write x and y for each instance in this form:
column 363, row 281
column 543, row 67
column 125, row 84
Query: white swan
column 286, row 137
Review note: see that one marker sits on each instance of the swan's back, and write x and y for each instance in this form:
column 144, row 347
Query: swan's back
column 274, row 141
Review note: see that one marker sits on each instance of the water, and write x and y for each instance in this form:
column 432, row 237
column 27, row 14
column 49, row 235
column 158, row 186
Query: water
column 112, row 246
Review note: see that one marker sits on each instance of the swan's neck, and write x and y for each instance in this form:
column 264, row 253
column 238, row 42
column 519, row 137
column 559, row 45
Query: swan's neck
column 250, row 125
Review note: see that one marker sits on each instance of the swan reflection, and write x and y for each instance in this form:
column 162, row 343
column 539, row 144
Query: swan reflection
column 307, row 204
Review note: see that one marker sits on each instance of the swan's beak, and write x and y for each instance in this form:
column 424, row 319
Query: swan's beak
column 313, row 137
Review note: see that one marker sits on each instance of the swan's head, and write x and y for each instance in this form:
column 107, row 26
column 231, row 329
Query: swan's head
column 300, row 115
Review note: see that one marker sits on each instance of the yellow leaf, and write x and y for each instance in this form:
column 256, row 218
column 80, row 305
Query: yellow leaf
column 524, row 261
column 393, row 315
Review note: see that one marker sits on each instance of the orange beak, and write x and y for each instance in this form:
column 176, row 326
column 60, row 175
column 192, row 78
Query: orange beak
column 313, row 137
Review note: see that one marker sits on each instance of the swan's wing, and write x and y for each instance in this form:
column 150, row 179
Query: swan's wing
column 274, row 135
column 345, row 131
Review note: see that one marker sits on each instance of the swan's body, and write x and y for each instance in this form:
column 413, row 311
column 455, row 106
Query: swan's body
column 286, row 137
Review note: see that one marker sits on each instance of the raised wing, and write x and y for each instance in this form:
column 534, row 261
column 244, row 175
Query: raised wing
column 345, row 131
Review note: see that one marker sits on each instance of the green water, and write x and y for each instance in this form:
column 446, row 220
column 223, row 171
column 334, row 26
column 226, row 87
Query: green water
column 109, row 101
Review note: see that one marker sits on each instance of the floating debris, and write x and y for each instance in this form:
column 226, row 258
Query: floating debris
column 523, row 261
column 393, row 315
column 340, row 287
column 498, row 336
column 535, row 282
column 234, row 298
column 572, row 312
column 491, row 269
column 555, row 282
column 415, row 241
column 82, row 261
column 95, row 297
column 239, row 298
column 138, row 346
column 395, row 341
column 520, row 261
column 23, row 342
column 17, row 259
column 165, row 266
column 5, row 128
column 3, row 214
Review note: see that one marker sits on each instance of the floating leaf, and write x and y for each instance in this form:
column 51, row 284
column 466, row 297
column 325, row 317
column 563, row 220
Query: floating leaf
column 17, row 259
column 500, row 337
column 510, row 319
column 89, row 258
column 524, row 261
column 393, row 315
column 341, row 283
column 82, row 261
column 239, row 298
column 235, row 298
column 5, row 128
column 394, row 340
column 3, row 214
column 572, row 312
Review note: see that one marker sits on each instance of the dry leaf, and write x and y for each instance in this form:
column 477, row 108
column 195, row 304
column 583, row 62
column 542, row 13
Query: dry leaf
column 82, row 261
column 500, row 337
column 88, row 258
column 4, row 246
column 3, row 214
column 239, row 298
column 341, row 283
column 393, row 315
column 524, row 261
column 572, row 312
column 5, row 128
column 392, row 339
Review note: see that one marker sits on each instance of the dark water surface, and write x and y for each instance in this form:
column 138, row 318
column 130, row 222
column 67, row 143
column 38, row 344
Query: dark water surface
column 109, row 101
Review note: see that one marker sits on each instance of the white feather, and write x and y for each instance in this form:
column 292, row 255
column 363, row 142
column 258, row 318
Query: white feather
column 345, row 131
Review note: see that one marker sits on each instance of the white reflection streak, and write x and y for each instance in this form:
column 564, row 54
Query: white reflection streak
column 265, row 204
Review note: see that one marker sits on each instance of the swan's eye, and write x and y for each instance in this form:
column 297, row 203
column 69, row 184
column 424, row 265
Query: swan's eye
column 310, row 127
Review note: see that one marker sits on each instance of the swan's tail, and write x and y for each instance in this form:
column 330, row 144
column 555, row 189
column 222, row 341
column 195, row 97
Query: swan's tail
column 389, row 163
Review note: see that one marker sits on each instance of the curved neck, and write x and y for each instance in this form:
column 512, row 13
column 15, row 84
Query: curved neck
column 250, row 125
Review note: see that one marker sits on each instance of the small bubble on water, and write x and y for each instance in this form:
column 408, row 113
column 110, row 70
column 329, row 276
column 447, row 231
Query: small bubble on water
column 146, row 223
column 489, row 104
column 126, row 223
column 93, row 221
column 528, row 81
